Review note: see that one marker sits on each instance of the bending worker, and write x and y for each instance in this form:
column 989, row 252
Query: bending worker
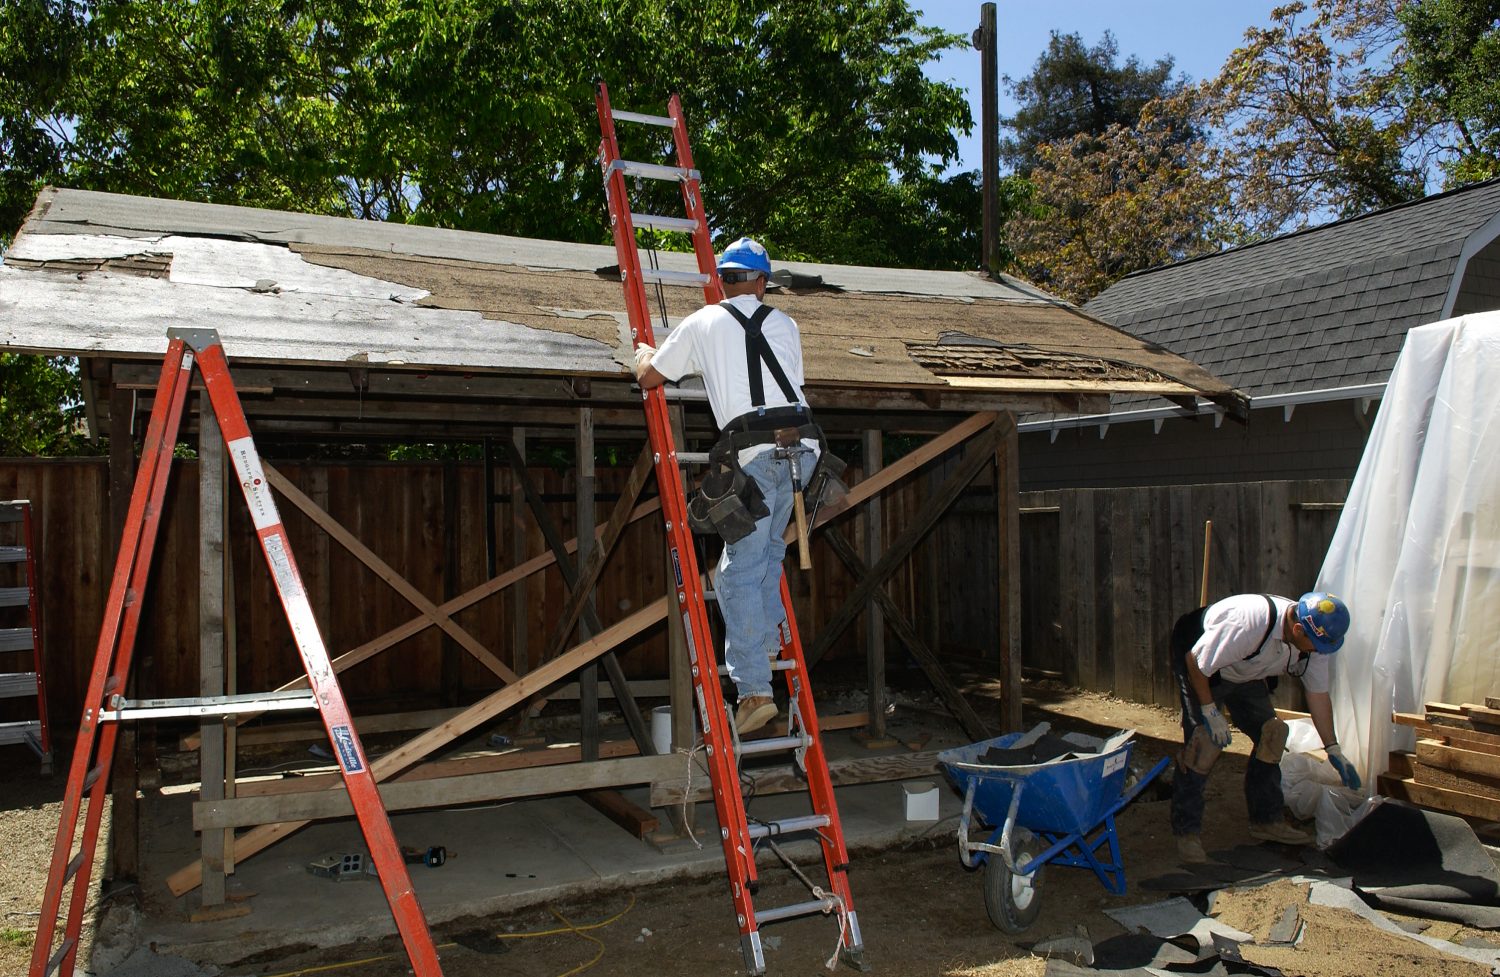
column 1227, row 657
column 750, row 357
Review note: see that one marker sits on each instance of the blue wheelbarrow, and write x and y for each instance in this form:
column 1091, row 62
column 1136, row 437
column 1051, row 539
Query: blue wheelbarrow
column 1061, row 811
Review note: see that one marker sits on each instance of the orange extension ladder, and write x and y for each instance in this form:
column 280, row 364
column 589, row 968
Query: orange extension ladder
column 738, row 834
column 105, row 707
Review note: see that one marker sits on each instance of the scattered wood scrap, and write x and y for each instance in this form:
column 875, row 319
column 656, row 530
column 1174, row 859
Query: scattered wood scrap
column 1456, row 765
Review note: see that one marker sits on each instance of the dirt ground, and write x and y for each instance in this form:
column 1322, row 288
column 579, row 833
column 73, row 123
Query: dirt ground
column 921, row 911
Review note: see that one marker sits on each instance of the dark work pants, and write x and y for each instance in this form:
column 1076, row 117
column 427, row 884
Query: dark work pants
column 1248, row 706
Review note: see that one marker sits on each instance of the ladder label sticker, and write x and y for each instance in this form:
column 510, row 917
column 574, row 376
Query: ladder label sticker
column 676, row 566
column 687, row 632
column 343, row 741
column 253, row 482
column 1114, row 763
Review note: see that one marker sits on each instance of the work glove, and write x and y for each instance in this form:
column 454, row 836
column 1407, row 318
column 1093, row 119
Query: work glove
column 1218, row 726
column 643, row 354
column 1345, row 769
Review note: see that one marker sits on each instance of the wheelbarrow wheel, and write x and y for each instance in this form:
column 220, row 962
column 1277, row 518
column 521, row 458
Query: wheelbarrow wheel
column 1013, row 901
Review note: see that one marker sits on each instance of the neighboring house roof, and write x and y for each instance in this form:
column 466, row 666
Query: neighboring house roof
column 103, row 275
column 1319, row 310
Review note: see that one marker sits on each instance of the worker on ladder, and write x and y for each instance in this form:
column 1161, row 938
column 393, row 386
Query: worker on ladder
column 766, row 433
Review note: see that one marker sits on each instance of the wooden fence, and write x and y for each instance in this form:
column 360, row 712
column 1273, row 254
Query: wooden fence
column 1106, row 572
column 425, row 519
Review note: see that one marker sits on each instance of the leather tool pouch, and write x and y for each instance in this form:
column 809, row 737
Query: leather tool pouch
column 728, row 502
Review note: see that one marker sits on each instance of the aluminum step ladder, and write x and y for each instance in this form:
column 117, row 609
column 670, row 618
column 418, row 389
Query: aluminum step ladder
column 18, row 563
column 738, row 834
column 105, row 708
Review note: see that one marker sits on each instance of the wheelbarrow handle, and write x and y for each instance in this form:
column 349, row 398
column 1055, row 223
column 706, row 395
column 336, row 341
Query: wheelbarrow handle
column 966, row 848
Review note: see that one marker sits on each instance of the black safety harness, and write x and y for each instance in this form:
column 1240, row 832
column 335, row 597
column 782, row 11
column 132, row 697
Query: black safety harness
column 766, row 425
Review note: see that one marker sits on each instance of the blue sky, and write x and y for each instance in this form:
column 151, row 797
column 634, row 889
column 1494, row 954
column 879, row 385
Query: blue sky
column 1198, row 34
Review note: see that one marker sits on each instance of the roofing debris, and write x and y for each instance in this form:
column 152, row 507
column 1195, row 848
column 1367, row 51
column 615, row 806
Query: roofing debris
column 1254, row 911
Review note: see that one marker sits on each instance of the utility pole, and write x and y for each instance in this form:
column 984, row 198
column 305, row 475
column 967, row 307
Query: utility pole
column 985, row 42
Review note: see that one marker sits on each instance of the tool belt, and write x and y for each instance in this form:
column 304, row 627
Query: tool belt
column 728, row 503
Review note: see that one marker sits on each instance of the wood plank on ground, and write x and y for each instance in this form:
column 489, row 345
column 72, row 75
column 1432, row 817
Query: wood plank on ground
column 1400, row 764
column 1456, row 781
column 636, row 820
column 1436, row 754
column 444, row 792
column 1439, row 799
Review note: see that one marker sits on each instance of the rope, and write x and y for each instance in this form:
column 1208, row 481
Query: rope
column 687, row 791
column 818, row 893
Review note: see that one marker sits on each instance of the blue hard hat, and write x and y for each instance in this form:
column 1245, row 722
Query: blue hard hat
column 1325, row 618
column 746, row 254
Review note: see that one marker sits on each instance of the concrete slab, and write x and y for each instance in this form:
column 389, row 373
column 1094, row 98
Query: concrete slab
column 501, row 858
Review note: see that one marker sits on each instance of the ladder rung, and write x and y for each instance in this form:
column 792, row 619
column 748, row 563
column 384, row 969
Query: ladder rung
column 56, row 960
column 219, row 705
column 777, row 665
column 656, row 222
column 74, row 865
column 12, row 554
column 620, row 115
column 15, row 685
column 684, row 393
column 815, row 907
column 807, row 822
column 15, row 639
column 773, row 744
column 15, row 596
column 666, row 277
column 653, row 171
column 20, row 732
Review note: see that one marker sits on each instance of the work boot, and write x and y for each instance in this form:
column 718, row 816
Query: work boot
column 1190, row 850
column 1281, row 833
column 753, row 713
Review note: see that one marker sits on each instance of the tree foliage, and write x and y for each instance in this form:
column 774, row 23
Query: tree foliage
column 812, row 123
column 1313, row 121
column 41, row 411
column 1452, row 68
column 1074, row 90
column 1106, row 205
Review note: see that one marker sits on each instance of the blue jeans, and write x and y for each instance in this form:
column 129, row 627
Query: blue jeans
column 749, row 582
column 1249, row 707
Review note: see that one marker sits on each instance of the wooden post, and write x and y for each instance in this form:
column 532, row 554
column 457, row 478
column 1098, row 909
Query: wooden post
column 125, row 810
column 985, row 40
column 588, row 676
column 679, row 668
column 874, row 532
column 211, row 765
column 520, row 604
column 1008, row 565
column 1208, row 538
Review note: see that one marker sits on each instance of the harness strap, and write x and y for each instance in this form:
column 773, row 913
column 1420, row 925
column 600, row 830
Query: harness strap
column 757, row 352
column 1270, row 606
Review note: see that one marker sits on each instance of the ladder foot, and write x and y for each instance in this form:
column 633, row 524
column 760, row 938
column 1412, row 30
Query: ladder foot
column 854, row 957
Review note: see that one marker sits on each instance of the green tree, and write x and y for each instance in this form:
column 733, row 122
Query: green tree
column 1106, row 205
column 1075, row 90
column 41, row 408
column 812, row 123
column 1452, row 68
column 1312, row 120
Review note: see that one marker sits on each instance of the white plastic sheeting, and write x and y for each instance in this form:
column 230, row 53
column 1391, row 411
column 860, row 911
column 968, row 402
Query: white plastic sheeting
column 1417, row 550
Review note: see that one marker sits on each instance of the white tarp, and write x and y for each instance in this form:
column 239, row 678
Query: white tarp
column 1417, row 551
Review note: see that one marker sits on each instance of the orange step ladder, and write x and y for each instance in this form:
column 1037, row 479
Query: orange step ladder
column 20, row 552
column 105, row 706
column 739, row 834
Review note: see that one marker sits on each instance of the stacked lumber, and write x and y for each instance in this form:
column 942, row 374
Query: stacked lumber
column 1456, row 765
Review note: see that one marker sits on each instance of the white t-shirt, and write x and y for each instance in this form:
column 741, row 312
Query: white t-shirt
column 1232, row 630
column 711, row 342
